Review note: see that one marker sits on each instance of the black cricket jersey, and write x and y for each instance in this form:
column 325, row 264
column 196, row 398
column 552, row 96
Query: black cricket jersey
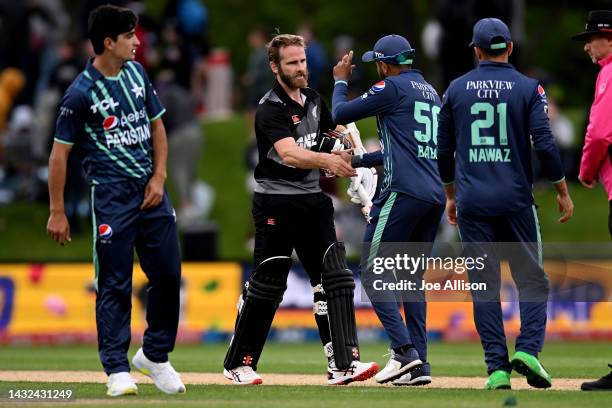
column 278, row 117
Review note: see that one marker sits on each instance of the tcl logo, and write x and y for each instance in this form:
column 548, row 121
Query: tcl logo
column 104, row 105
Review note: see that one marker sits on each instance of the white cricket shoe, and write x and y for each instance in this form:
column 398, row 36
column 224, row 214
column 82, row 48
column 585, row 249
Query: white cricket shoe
column 243, row 375
column 357, row 371
column 398, row 365
column 121, row 384
column 163, row 374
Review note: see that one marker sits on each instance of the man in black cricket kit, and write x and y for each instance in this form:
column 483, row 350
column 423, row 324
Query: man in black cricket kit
column 290, row 211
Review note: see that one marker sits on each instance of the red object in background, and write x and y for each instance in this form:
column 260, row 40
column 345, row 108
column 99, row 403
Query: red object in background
column 142, row 50
column 218, row 56
column 329, row 185
column 36, row 273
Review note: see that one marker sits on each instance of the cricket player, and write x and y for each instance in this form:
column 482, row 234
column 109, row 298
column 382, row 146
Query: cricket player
column 411, row 201
column 490, row 118
column 291, row 212
column 112, row 116
column 597, row 151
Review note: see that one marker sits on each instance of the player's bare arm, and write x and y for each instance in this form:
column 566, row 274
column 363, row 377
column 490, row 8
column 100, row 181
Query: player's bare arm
column 154, row 191
column 294, row 155
column 57, row 226
column 566, row 206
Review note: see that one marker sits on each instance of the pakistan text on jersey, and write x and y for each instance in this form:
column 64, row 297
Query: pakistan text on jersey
column 490, row 154
column 128, row 137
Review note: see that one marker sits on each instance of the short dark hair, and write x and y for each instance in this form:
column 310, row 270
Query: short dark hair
column 496, row 52
column 108, row 22
column 280, row 41
column 493, row 53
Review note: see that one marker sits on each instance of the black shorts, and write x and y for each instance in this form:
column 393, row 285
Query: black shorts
column 303, row 222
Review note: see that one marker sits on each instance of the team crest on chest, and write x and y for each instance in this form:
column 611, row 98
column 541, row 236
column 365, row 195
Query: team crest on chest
column 138, row 91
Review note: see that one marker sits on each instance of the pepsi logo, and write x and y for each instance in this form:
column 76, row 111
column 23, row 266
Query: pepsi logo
column 377, row 87
column 296, row 119
column 541, row 91
column 105, row 231
column 110, row 122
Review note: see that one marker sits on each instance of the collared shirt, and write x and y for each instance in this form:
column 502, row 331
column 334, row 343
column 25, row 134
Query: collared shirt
column 278, row 117
column 108, row 120
column 490, row 118
column 598, row 137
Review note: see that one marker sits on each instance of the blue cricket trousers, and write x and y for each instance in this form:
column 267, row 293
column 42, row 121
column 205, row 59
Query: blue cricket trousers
column 522, row 247
column 401, row 218
column 120, row 226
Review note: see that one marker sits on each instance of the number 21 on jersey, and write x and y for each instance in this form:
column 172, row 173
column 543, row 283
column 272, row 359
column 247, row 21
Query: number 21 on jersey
column 484, row 146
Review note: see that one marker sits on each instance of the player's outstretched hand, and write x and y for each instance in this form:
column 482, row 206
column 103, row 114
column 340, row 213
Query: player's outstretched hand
column 566, row 207
column 344, row 67
column 451, row 211
column 154, row 192
column 337, row 165
column 58, row 228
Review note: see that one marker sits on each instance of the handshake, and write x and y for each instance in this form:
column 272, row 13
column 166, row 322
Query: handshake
column 363, row 185
column 340, row 142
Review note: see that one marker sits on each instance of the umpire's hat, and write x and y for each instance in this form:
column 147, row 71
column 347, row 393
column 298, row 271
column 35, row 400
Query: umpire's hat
column 491, row 34
column 598, row 21
column 392, row 49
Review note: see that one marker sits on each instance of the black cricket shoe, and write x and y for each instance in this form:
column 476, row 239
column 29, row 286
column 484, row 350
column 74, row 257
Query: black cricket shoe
column 603, row 384
column 419, row 375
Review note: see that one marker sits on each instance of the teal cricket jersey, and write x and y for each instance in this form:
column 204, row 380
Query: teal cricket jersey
column 108, row 120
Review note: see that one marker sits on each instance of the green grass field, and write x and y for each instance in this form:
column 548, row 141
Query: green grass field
column 563, row 360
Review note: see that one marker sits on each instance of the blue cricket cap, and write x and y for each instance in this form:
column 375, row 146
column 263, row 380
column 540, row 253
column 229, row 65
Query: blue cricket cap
column 392, row 49
column 491, row 34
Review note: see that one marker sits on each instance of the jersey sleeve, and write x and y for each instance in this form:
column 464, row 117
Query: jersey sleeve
column 272, row 122
column 70, row 122
column 446, row 140
column 542, row 137
column 155, row 109
column 599, row 131
column 372, row 159
column 380, row 98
